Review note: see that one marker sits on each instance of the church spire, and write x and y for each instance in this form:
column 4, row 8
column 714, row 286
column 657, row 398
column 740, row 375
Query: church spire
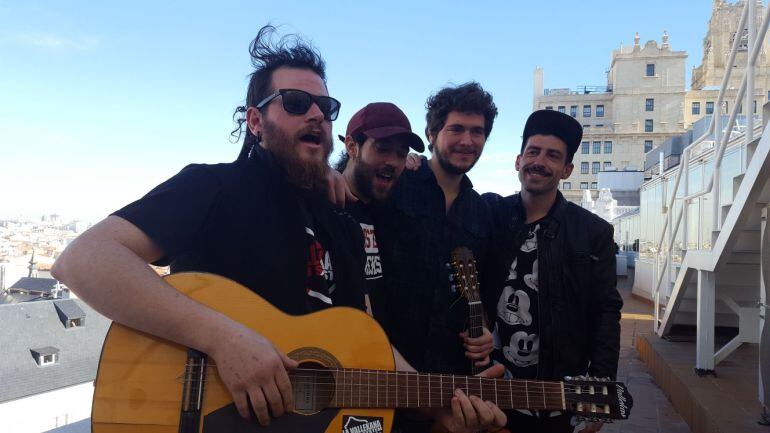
column 32, row 266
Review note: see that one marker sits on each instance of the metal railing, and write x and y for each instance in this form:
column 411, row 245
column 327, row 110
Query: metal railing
column 749, row 12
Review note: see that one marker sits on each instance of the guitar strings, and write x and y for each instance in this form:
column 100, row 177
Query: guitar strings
column 433, row 378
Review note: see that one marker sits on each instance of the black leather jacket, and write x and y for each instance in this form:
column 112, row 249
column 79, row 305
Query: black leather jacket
column 578, row 301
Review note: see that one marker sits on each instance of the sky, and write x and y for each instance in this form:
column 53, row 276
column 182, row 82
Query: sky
column 101, row 101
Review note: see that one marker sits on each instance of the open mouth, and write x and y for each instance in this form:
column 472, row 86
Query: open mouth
column 311, row 137
column 385, row 177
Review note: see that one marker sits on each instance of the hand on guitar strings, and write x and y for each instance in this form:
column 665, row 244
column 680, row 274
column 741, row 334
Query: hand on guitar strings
column 479, row 348
column 255, row 372
column 470, row 414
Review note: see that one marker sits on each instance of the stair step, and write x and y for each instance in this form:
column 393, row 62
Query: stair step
column 748, row 239
column 751, row 148
column 739, row 256
column 737, row 183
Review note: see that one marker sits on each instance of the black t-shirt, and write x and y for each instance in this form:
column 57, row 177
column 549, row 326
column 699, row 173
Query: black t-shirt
column 244, row 221
column 516, row 332
column 375, row 284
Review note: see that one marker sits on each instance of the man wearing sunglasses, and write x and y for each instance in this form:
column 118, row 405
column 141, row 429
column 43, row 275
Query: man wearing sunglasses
column 263, row 220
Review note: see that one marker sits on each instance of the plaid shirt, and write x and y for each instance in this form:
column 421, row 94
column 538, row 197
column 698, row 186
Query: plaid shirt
column 416, row 236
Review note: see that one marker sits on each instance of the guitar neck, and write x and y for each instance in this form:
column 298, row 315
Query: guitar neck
column 475, row 319
column 475, row 328
column 355, row 388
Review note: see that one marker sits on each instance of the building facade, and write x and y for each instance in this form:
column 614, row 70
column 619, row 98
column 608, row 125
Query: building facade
column 645, row 101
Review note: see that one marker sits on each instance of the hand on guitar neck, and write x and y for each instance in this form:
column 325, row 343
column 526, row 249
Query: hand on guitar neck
column 478, row 349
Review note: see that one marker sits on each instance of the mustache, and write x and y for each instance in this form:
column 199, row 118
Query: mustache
column 537, row 169
column 388, row 170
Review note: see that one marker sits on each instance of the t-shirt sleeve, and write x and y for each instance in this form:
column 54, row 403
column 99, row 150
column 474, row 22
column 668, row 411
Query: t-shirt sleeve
column 174, row 212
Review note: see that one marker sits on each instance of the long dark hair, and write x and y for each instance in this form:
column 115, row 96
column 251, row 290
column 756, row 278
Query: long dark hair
column 267, row 56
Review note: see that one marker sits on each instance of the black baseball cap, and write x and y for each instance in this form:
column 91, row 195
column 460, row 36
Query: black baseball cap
column 556, row 123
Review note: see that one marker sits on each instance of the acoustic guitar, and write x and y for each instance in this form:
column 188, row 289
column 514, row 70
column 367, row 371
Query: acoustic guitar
column 345, row 382
column 465, row 277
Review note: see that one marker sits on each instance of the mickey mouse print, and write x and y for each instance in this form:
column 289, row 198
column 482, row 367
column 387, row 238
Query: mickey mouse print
column 516, row 327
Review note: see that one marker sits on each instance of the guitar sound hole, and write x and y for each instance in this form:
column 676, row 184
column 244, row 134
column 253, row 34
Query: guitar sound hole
column 313, row 385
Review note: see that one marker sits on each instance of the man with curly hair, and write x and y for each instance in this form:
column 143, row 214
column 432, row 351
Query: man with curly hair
column 433, row 210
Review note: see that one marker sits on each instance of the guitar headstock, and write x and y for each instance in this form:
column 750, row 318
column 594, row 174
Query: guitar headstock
column 464, row 272
column 597, row 399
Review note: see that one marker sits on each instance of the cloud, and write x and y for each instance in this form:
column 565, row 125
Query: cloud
column 56, row 43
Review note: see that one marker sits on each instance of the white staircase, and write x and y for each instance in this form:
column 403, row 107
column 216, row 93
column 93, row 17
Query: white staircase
column 721, row 287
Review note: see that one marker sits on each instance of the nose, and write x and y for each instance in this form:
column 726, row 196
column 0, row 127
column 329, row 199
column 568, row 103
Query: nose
column 466, row 137
column 314, row 113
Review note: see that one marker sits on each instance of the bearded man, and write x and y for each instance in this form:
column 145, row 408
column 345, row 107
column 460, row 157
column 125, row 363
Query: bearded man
column 263, row 221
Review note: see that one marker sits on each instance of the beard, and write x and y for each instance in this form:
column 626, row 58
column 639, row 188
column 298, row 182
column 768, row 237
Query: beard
column 301, row 172
column 442, row 156
column 363, row 176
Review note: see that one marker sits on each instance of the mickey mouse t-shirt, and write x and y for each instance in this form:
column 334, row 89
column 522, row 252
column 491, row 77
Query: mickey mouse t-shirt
column 516, row 330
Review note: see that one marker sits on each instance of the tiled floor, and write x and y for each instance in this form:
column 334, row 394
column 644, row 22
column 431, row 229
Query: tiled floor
column 652, row 411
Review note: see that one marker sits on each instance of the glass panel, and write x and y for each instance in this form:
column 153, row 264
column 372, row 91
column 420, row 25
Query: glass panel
column 693, row 221
column 731, row 167
column 706, row 219
column 695, row 178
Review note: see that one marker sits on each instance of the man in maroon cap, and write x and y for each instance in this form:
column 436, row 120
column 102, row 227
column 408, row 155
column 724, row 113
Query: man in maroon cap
column 377, row 143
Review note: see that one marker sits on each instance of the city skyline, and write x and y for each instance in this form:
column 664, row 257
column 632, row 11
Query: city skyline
column 101, row 103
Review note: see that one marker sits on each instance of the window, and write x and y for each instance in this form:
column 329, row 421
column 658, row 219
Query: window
column 74, row 323
column 607, row 147
column 607, row 165
column 710, row 107
column 45, row 356
column 584, row 167
column 583, row 185
column 647, row 145
column 650, row 69
column 586, row 111
column 600, row 111
column 573, row 110
column 549, row 107
column 594, row 185
column 597, row 147
column 561, row 108
column 696, row 108
column 647, row 125
column 567, row 185
column 584, row 148
column 649, row 104
column 599, row 125
column 595, row 167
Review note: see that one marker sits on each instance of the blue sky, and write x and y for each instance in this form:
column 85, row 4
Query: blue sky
column 99, row 102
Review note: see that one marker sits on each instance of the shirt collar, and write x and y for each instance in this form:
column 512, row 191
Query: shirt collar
column 424, row 172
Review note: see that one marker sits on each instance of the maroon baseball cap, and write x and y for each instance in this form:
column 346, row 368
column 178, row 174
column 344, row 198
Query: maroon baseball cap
column 380, row 120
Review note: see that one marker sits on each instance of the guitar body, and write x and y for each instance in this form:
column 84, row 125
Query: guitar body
column 141, row 378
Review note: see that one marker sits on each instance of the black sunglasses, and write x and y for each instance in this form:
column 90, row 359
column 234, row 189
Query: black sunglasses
column 299, row 102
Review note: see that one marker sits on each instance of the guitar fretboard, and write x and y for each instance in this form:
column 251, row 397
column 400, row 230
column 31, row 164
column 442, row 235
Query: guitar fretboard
column 356, row 388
